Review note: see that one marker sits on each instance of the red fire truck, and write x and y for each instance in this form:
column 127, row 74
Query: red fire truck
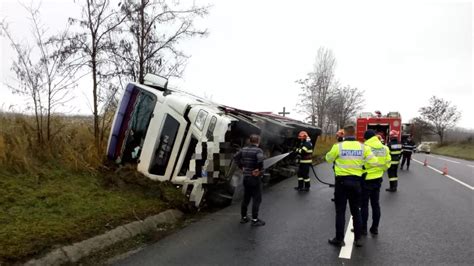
column 381, row 124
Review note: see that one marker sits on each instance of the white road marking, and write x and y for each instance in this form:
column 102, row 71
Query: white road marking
column 470, row 165
column 443, row 159
column 346, row 250
column 448, row 176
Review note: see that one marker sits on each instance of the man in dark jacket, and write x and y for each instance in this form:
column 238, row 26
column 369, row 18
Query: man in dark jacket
column 407, row 149
column 250, row 160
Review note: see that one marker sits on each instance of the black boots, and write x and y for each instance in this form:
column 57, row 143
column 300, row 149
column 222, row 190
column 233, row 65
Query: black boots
column 374, row 231
column 337, row 243
column 244, row 220
column 257, row 222
column 393, row 186
column 300, row 185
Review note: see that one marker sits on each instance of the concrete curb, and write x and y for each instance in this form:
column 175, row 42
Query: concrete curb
column 77, row 251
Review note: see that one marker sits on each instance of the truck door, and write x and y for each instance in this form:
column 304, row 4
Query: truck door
column 160, row 152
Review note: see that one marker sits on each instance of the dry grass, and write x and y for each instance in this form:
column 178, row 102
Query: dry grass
column 54, row 193
column 71, row 146
column 323, row 145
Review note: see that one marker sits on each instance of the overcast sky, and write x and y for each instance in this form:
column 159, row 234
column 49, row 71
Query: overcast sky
column 399, row 53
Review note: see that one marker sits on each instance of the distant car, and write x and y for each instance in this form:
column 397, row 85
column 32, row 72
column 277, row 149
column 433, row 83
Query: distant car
column 423, row 147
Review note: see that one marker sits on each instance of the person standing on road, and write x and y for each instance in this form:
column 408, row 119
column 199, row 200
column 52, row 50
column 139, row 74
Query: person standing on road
column 305, row 152
column 395, row 152
column 250, row 160
column 407, row 149
column 349, row 156
column 373, row 181
column 339, row 138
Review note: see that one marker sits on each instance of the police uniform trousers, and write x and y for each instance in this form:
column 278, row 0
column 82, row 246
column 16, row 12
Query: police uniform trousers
column 406, row 156
column 252, row 191
column 303, row 175
column 393, row 176
column 347, row 188
column 371, row 192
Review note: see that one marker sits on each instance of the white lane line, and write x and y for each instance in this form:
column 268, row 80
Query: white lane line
column 346, row 250
column 443, row 159
column 448, row 176
column 470, row 165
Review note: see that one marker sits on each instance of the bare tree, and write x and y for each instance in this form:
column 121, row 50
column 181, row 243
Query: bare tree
column 153, row 30
column 28, row 75
column 440, row 115
column 317, row 87
column 420, row 129
column 90, row 47
column 41, row 72
column 344, row 103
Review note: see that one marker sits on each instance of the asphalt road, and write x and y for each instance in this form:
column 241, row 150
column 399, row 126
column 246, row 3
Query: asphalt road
column 428, row 221
column 460, row 169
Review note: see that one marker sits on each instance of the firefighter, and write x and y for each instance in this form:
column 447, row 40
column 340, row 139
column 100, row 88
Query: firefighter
column 250, row 160
column 407, row 149
column 373, row 181
column 395, row 152
column 349, row 156
column 305, row 152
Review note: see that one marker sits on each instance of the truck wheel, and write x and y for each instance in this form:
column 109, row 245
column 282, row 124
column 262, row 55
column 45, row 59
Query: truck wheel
column 219, row 198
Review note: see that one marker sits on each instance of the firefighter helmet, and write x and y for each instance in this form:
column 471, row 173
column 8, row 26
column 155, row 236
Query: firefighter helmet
column 303, row 135
column 393, row 134
column 340, row 133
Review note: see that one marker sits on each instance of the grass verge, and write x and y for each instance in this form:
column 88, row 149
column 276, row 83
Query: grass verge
column 323, row 145
column 58, row 207
column 463, row 150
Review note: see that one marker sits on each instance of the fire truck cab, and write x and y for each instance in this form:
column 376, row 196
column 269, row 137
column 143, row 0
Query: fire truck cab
column 381, row 124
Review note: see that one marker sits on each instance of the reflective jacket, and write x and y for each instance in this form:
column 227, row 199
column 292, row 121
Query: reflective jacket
column 306, row 152
column 408, row 146
column 350, row 156
column 382, row 154
column 395, row 150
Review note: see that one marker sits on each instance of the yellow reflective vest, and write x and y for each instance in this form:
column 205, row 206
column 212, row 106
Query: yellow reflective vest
column 382, row 154
column 350, row 156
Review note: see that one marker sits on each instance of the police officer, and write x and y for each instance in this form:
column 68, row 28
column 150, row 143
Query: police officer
column 350, row 156
column 407, row 149
column 373, row 181
column 305, row 152
column 395, row 152
column 250, row 160
column 339, row 138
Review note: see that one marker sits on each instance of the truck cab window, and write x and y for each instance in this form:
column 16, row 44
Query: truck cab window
column 163, row 149
column 210, row 129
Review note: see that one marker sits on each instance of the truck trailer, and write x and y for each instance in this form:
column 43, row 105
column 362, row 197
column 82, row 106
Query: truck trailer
column 171, row 135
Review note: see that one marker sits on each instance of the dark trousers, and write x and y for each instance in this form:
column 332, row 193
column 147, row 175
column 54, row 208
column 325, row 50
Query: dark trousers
column 371, row 192
column 347, row 188
column 252, row 191
column 406, row 156
column 303, row 175
column 393, row 176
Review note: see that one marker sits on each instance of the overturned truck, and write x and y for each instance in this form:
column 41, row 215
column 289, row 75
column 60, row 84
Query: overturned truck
column 174, row 136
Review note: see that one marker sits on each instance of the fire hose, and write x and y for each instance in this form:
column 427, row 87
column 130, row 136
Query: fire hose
column 315, row 175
